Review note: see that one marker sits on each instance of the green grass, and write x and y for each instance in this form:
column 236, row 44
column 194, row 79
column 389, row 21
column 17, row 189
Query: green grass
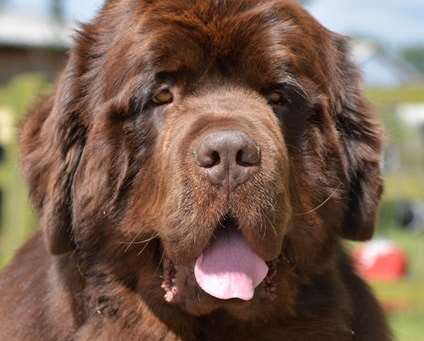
column 407, row 94
column 408, row 325
column 405, row 185
column 406, row 298
column 17, row 218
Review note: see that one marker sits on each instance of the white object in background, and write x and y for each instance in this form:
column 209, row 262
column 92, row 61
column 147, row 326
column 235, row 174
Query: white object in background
column 6, row 126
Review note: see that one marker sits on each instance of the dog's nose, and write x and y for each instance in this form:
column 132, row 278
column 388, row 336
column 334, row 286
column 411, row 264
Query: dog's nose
column 229, row 158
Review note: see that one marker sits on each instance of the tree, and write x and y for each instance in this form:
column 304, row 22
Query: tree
column 414, row 55
column 57, row 10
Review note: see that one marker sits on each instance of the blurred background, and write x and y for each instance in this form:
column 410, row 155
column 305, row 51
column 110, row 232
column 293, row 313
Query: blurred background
column 388, row 44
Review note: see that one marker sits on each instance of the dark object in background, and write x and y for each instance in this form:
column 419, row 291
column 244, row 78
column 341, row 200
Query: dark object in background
column 411, row 215
column 406, row 214
column 2, row 154
column 175, row 122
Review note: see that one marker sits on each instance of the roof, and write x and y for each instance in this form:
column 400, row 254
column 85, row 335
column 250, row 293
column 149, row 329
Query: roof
column 30, row 31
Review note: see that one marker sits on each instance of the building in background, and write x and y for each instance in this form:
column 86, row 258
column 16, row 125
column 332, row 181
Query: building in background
column 32, row 45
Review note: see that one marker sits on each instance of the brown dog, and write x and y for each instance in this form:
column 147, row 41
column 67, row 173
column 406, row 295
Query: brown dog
column 194, row 173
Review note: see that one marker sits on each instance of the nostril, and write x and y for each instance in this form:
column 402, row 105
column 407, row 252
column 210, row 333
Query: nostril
column 228, row 158
column 240, row 159
column 207, row 158
column 214, row 160
column 249, row 156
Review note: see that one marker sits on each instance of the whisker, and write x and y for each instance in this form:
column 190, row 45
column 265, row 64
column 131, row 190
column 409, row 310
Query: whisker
column 129, row 244
column 144, row 247
column 135, row 242
column 270, row 223
column 146, row 240
column 162, row 257
column 332, row 194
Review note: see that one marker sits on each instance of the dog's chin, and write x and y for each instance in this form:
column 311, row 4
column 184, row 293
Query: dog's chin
column 201, row 287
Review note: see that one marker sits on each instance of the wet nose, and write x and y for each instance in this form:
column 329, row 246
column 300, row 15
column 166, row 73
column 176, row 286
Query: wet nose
column 228, row 157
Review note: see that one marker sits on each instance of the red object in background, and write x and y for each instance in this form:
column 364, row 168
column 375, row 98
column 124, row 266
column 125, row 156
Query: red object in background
column 381, row 260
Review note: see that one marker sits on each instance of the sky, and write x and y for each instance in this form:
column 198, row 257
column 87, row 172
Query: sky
column 393, row 22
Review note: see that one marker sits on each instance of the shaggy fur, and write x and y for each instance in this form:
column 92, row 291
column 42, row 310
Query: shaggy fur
column 125, row 210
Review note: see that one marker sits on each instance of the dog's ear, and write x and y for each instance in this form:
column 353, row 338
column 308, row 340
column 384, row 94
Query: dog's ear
column 361, row 136
column 52, row 141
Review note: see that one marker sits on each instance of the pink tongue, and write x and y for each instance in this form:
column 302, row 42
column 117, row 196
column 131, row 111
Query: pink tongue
column 229, row 268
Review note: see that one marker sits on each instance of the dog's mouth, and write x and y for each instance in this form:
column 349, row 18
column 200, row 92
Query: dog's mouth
column 227, row 269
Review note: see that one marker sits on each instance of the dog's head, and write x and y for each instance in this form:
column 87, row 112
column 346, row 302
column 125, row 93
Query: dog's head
column 206, row 132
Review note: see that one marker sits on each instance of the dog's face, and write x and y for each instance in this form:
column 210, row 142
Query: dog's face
column 192, row 131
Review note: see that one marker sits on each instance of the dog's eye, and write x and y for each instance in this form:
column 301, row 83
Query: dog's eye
column 276, row 98
column 279, row 103
column 163, row 96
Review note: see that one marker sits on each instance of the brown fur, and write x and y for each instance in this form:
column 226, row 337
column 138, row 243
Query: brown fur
column 118, row 194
